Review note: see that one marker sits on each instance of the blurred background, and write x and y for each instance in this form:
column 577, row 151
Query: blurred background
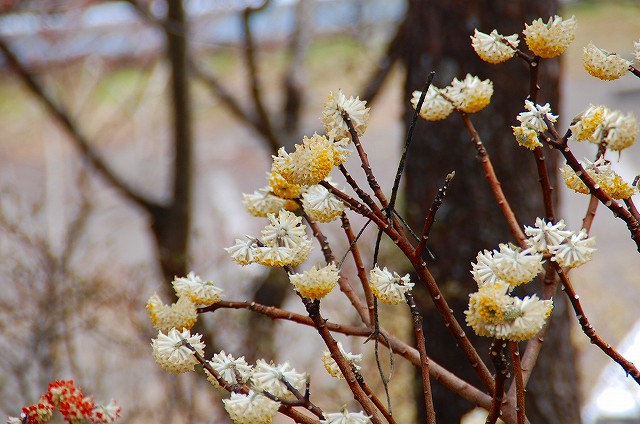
column 129, row 130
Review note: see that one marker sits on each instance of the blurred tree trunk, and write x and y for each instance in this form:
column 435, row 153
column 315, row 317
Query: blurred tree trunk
column 436, row 37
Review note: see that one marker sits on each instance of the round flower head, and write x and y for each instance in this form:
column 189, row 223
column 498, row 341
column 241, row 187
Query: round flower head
column 516, row 266
column 200, row 292
column 230, row 369
column 471, row 94
column 310, row 163
column 389, row 287
column 545, row 234
column 321, row 205
column 262, row 202
column 269, row 378
column 332, row 367
column 172, row 355
column 285, row 229
column 332, row 119
column 576, row 250
column 180, row 315
column 586, row 123
column 604, row 176
column 244, row 252
column 316, row 283
column 252, row 408
column 435, row 107
column 617, row 130
column 534, row 119
column 529, row 316
column 38, row 413
column 105, row 414
column 526, row 137
column 346, row 417
column 282, row 188
column 483, row 270
column 487, row 308
column 550, row 39
column 70, row 401
column 604, row 65
column 491, row 47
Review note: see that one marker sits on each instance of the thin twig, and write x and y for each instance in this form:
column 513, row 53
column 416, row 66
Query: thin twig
column 375, row 399
column 502, row 373
column 517, row 371
column 357, row 259
column 431, row 215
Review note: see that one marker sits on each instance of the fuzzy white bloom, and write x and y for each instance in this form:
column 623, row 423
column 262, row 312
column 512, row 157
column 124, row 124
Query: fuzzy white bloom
column 604, row 176
column 172, row 355
column 316, row 283
column 545, row 234
column 526, row 137
column 199, row 291
column 244, row 252
column 435, row 107
column 483, row 270
column 618, row 130
column 229, row 368
column 576, row 250
column 346, row 417
column 332, row 114
column 332, row 367
column 491, row 47
column 516, row 266
column 550, row 39
column 262, row 202
column 534, row 119
column 286, row 229
column 586, row 123
column 252, row 408
column 389, row 287
column 471, row 94
column 604, row 65
column 321, row 205
column 269, row 378
column 530, row 314
column 181, row 315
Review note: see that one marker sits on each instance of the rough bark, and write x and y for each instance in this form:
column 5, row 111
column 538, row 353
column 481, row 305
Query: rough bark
column 437, row 38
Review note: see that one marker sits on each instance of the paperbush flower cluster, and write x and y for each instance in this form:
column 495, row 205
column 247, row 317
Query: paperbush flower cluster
column 469, row 95
column 493, row 312
column 75, row 407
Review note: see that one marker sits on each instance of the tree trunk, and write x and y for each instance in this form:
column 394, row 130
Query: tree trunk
column 437, row 38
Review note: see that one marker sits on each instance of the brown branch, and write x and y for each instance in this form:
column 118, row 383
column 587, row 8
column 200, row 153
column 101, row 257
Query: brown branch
column 502, row 372
column 494, row 183
column 632, row 208
column 65, row 120
column 430, row 412
column 431, row 215
column 517, row 370
column 588, row 329
column 590, row 215
column 375, row 399
column 359, row 191
column 357, row 259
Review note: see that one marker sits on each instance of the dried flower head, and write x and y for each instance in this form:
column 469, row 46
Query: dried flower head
column 321, row 205
column 494, row 48
column 316, row 283
column 389, row 287
column 332, row 367
column 270, row 378
column 172, row 355
column 332, row 119
column 252, row 408
column 550, row 39
column 435, row 107
column 232, row 370
column 181, row 315
column 604, row 65
column 471, row 94
column 201, row 292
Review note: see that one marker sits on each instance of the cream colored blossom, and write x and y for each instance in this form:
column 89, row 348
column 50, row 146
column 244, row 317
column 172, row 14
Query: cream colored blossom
column 321, row 205
column 172, row 355
column 516, row 266
column 617, row 130
column 535, row 118
column 180, row 315
column 587, row 122
column 603, row 175
column 530, row 314
column 469, row 95
column 491, row 47
column 545, row 234
column 483, row 270
column 389, row 287
column 341, row 150
column 316, row 283
column 526, row 137
column 604, row 65
column 310, row 163
column 244, row 252
column 270, row 378
column 576, row 250
column 199, row 291
column 232, row 370
column 252, row 408
column 282, row 188
column 550, row 39
column 332, row 367
column 435, row 107
column 332, row 119
column 262, row 202
column 346, row 417
column 285, row 229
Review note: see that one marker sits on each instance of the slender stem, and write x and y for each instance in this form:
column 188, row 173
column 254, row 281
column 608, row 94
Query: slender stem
column 502, row 372
column 632, row 208
column 517, row 371
column 357, row 259
column 588, row 329
column 361, row 193
column 494, row 183
column 376, row 400
column 424, row 360
column 431, row 215
column 590, row 215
